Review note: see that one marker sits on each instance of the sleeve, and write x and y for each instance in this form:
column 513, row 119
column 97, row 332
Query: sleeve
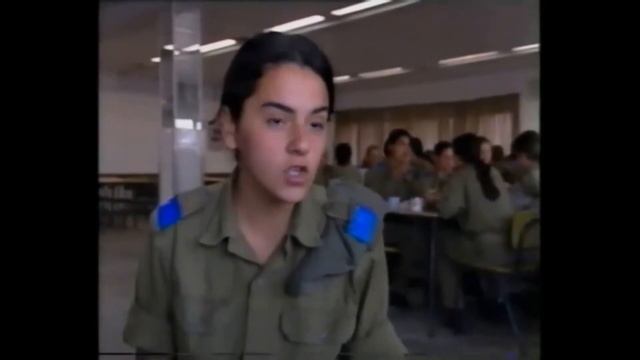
column 358, row 176
column 375, row 337
column 369, row 179
column 148, row 327
column 421, row 186
column 531, row 183
column 453, row 197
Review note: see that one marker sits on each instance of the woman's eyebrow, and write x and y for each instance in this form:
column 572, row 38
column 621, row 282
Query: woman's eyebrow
column 288, row 109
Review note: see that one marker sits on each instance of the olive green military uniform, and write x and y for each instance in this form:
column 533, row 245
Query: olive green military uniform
column 511, row 170
column 531, row 182
column 347, row 173
column 435, row 182
column 484, row 223
column 379, row 180
column 217, row 299
column 525, row 192
column 422, row 168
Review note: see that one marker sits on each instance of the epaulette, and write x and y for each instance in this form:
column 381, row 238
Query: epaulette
column 361, row 208
column 178, row 207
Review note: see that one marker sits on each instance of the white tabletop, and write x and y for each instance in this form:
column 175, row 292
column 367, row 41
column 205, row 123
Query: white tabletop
column 123, row 180
column 427, row 214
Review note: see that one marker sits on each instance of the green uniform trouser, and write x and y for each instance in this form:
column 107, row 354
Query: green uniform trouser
column 457, row 247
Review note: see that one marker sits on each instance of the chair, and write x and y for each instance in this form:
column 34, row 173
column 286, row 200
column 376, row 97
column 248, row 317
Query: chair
column 525, row 243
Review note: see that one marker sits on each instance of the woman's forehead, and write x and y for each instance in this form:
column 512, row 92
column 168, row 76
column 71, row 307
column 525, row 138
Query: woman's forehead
column 293, row 86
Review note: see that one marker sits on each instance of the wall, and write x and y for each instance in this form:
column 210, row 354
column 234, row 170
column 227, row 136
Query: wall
column 129, row 128
column 130, row 113
column 530, row 105
column 523, row 82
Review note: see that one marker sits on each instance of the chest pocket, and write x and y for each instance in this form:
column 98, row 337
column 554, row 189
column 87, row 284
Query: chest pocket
column 199, row 316
column 327, row 316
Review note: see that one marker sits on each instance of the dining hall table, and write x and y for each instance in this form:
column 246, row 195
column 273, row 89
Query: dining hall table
column 432, row 218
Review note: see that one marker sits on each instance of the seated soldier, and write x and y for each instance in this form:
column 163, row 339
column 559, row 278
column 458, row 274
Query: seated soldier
column 420, row 163
column 444, row 164
column 394, row 177
column 343, row 169
column 525, row 171
column 477, row 198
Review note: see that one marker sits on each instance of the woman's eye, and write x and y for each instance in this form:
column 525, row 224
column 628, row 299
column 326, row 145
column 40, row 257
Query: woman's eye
column 317, row 126
column 275, row 122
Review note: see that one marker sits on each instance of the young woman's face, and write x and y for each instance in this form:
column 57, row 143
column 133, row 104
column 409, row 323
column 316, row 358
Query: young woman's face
column 485, row 152
column 446, row 161
column 281, row 135
column 401, row 150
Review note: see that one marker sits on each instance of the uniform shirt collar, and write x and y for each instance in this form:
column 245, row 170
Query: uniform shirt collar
column 307, row 222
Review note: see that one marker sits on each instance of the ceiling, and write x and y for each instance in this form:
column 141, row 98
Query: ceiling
column 414, row 36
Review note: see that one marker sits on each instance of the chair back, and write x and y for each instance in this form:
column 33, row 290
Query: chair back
column 525, row 239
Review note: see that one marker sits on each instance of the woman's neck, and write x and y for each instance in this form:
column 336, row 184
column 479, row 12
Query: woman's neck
column 262, row 219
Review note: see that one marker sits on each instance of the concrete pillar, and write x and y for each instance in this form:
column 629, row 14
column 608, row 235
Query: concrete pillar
column 183, row 138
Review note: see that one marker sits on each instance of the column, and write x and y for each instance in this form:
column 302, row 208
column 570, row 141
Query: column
column 183, row 138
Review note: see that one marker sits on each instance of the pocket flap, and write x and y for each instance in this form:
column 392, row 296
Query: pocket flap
column 318, row 325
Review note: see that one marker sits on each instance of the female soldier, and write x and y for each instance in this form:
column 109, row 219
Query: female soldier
column 486, row 150
column 395, row 177
column 526, row 190
column 477, row 197
column 372, row 157
column 343, row 168
column 266, row 265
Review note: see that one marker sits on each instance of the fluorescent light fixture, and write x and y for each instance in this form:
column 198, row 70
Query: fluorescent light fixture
column 342, row 78
column 470, row 58
column 155, row 59
column 358, row 7
column 186, row 124
column 526, row 49
column 384, row 72
column 296, row 24
column 194, row 47
column 168, row 47
column 217, row 45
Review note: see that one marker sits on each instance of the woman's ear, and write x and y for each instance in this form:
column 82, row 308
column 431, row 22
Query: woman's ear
column 228, row 128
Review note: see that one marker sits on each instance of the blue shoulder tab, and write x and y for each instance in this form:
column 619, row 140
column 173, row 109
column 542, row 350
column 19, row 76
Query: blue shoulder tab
column 169, row 213
column 362, row 224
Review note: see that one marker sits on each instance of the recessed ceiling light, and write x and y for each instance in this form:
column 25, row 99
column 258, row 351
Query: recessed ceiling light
column 217, row 45
column 490, row 55
column 526, row 49
column 358, row 7
column 194, row 47
column 384, row 72
column 168, row 47
column 155, row 59
column 296, row 24
column 342, row 78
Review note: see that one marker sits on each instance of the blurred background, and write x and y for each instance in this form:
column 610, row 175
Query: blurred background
column 435, row 68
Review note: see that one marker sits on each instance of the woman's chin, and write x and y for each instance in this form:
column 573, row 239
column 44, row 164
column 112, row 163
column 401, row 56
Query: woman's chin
column 292, row 194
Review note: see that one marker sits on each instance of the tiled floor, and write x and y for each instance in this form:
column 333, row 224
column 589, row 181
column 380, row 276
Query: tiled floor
column 119, row 251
